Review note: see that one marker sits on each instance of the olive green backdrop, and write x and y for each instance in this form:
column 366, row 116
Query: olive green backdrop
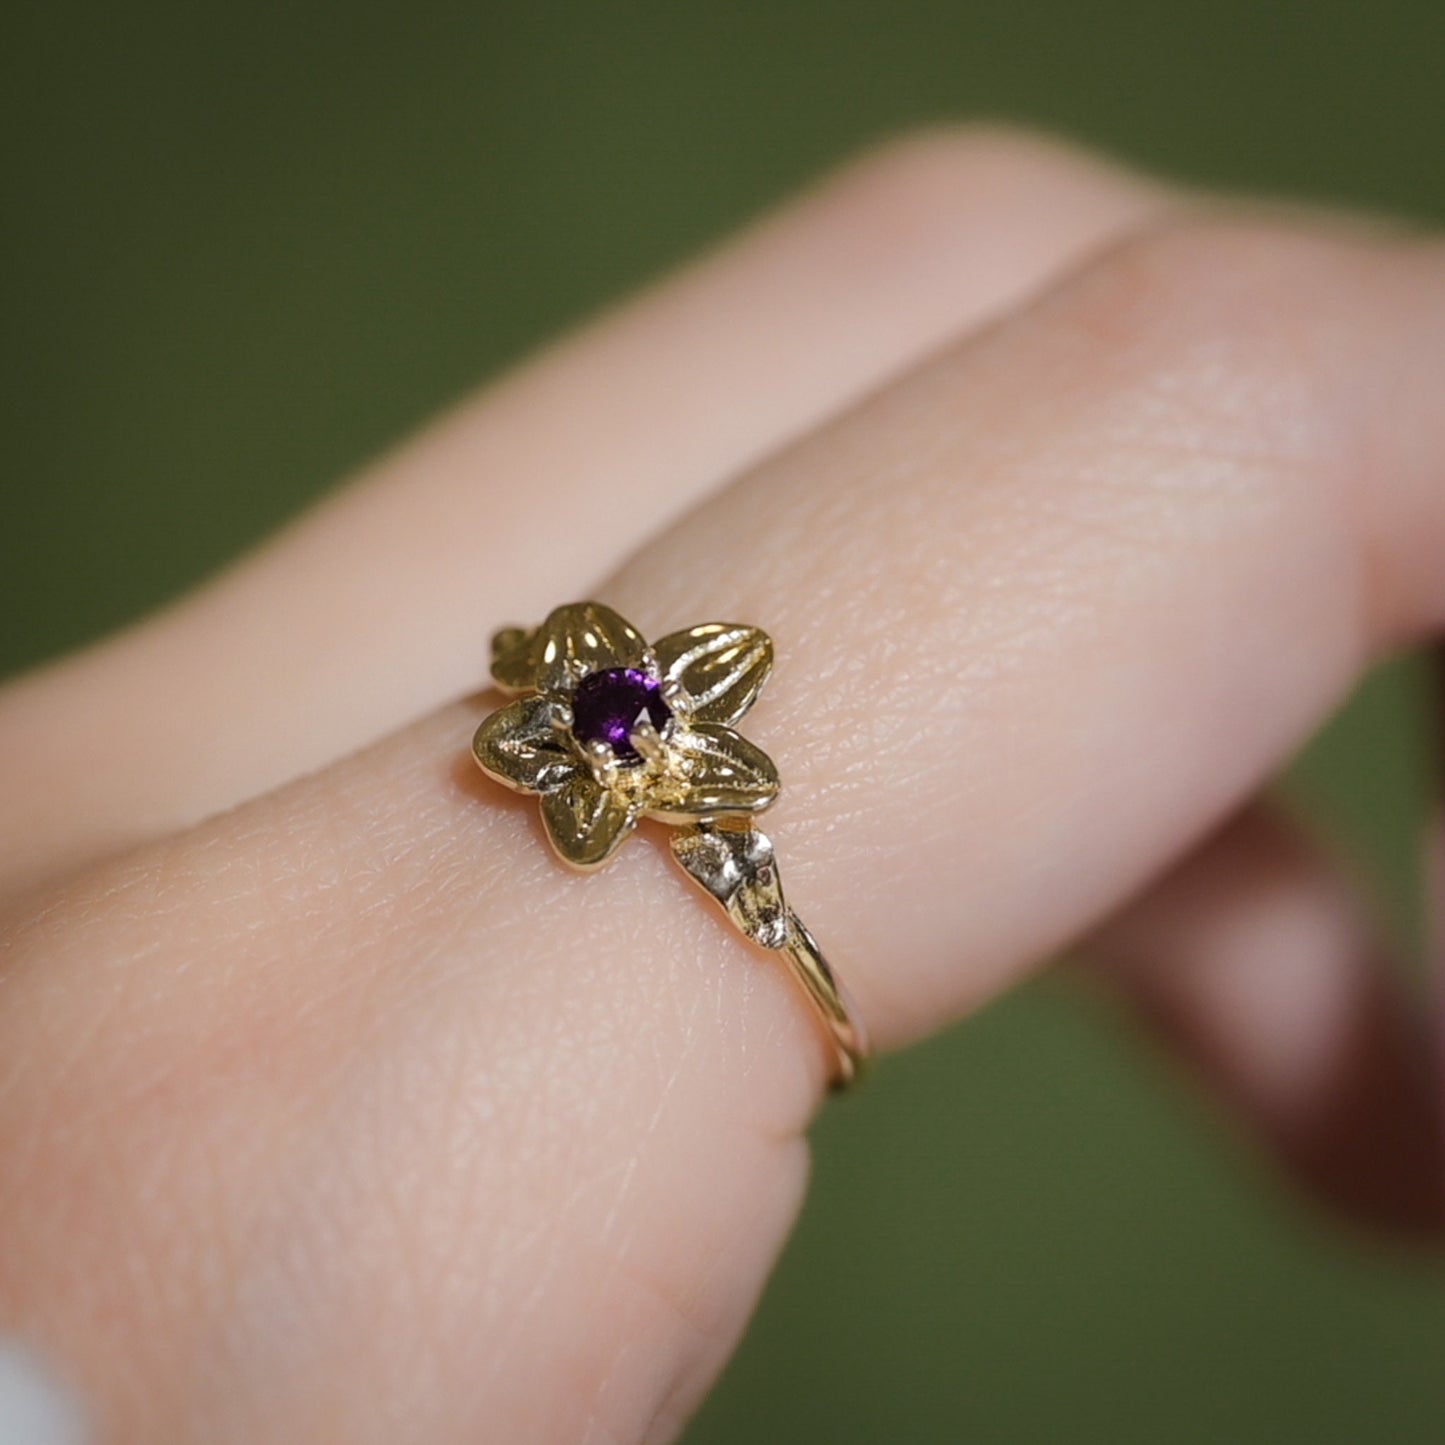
column 247, row 245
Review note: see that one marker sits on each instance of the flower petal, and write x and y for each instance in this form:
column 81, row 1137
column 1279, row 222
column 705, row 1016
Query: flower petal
column 514, row 659
column 586, row 821
column 583, row 637
column 517, row 745
column 720, row 772
column 722, row 665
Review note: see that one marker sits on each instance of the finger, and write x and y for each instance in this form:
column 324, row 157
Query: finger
column 1258, row 963
column 365, row 615
column 1049, row 608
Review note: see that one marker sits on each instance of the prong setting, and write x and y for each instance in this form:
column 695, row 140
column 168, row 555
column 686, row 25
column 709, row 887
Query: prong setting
column 603, row 762
column 648, row 742
column 677, row 698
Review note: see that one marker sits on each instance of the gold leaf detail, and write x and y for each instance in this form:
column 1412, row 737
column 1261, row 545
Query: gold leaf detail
column 736, row 865
column 712, row 770
column 583, row 637
column 721, row 665
column 514, row 664
column 586, row 821
column 517, row 745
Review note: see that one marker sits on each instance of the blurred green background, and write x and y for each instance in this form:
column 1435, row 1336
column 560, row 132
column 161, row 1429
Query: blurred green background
column 246, row 246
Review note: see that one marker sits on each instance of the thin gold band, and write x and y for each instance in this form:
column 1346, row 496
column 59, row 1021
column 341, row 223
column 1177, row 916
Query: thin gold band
column 831, row 1000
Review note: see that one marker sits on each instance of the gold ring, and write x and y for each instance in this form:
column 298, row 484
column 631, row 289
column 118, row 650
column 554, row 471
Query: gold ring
column 608, row 730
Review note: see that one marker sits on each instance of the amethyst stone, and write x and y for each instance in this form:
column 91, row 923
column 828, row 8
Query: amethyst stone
column 608, row 706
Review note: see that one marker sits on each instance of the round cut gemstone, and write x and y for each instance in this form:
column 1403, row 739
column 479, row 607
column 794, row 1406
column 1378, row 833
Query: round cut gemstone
column 608, row 706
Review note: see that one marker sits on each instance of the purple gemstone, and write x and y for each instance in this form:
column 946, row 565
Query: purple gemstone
column 608, row 706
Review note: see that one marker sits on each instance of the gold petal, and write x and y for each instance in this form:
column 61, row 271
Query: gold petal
column 517, row 745
column 583, row 637
column 514, row 659
column 715, row 771
column 586, row 821
column 722, row 666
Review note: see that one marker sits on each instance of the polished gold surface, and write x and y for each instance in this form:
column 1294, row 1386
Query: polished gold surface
column 690, row 768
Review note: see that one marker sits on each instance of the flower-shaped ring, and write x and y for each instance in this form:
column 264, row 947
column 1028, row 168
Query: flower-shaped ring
column 608, row 730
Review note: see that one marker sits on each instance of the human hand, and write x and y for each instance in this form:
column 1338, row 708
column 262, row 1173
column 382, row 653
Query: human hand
column 332, row 1109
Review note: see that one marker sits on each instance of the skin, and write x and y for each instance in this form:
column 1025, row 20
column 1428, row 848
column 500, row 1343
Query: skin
column 333, row 1108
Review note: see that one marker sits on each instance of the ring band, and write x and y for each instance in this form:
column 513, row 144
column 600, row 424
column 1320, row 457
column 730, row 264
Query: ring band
column 607, row 730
